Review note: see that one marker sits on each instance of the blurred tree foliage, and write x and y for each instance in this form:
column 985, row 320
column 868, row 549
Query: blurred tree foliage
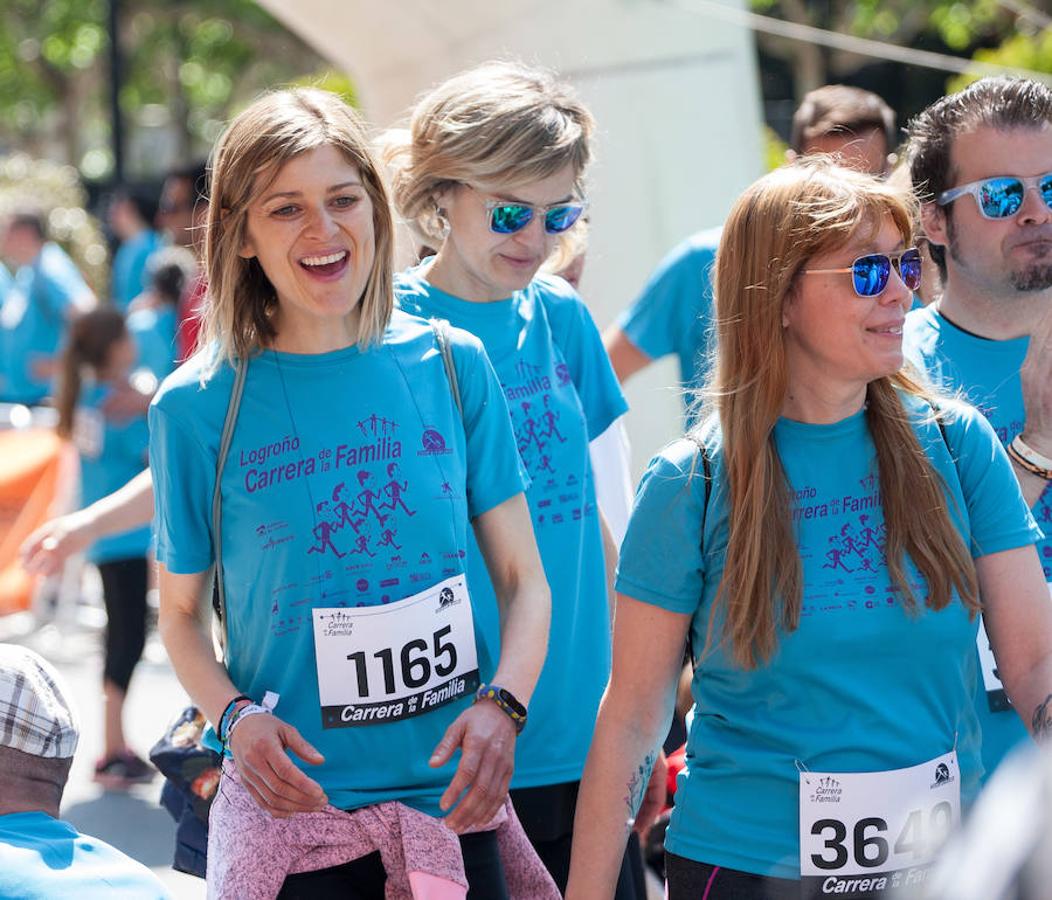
column 57, row 192
column 1023, row 50
column 189, row 66
column 964, row 27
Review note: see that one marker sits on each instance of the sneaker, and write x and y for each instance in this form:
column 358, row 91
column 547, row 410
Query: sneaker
column 121, row 770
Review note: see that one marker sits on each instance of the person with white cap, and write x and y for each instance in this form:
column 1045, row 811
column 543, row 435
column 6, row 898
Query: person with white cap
column 42, row 857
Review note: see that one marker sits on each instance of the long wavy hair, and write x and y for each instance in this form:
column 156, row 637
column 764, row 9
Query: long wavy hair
column 778, row 224
column 247, row 158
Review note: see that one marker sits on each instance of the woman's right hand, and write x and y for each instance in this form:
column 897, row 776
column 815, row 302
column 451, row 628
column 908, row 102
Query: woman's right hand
column 259, row 745
column 46, row 550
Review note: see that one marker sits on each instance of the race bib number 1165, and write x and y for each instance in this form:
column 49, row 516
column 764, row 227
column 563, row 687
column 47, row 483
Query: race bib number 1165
column 384, row 663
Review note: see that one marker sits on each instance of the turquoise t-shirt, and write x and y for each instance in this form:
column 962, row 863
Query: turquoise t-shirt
column 33, row 321
column 987, row 373
column 112, row 452
column 674, row 312
column 154, row 332
column 43, row 858
column 349, row 483
column 129, row 266
column 862, row 685
column 562, row 392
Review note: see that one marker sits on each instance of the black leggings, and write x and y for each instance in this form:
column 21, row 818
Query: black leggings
column 547, row 815
column 363, row 879
column 124, row 590
column 690, row 880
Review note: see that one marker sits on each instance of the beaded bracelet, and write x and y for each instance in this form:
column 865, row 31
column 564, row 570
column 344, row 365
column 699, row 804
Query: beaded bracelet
column 223, row 727
column 253, row 709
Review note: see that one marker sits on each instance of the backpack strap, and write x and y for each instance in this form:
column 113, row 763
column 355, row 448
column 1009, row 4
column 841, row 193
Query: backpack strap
column 706, row 471
column 229, row 424
column 441, row 329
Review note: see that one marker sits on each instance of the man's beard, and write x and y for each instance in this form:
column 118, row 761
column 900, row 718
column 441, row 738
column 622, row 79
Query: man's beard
column 1035, row 277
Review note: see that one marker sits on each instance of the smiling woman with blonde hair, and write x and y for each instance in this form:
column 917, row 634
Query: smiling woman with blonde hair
column 821, row 540
column 326, row 452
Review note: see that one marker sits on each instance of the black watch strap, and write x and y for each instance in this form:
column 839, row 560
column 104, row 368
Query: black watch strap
column 504, row 699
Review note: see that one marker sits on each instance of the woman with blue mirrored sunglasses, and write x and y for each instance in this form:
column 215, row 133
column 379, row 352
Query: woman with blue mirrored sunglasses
column 805, row 542
column 492, row 173
column 1001, row 197
column 870, row 273
column 509, row 216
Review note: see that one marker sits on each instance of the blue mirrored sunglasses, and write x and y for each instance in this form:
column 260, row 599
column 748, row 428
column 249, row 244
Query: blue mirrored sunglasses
column 870, row 273
column 507, row 218
column 1001, row 197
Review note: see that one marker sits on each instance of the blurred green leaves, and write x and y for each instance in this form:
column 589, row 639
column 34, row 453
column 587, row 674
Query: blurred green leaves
column 189, row 65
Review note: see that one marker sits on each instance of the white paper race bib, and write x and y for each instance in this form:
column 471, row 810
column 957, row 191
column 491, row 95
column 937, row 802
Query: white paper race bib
column 863, row 835
column 385, row 663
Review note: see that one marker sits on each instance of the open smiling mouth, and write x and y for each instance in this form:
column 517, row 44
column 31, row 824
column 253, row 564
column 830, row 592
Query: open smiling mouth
column 330, row 264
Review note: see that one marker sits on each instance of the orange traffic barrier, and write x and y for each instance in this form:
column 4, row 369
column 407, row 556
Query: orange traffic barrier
column 31, row 471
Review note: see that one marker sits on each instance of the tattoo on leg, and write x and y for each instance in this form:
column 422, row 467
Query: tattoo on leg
column 1041, row 723
column 637, row 786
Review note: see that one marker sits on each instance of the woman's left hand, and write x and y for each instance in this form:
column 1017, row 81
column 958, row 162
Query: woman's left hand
column 486, row 738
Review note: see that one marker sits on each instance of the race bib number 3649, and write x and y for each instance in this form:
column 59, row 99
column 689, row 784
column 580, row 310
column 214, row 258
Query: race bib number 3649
column 385, row 663
column 864, row 835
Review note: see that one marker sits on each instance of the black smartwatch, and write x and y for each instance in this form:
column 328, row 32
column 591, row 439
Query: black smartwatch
column 506, row 701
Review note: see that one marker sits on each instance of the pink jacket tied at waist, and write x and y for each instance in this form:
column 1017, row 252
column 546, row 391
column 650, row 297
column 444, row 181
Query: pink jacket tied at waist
column 250, row 852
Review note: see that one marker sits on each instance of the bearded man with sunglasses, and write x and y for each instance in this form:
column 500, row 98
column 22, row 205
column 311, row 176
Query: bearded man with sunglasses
column 983, row 161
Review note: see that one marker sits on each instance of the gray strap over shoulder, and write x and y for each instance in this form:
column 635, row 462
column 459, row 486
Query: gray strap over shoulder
column 441, row 330
column 229, row 424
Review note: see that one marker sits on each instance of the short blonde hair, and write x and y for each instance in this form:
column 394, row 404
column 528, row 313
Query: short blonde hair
column 246, row 160
column 500, row 122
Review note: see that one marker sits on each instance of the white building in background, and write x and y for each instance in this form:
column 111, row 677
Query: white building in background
column 675, row 95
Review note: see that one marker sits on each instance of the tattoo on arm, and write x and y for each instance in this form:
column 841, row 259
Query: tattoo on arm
column 1041, row 723
column 637, row 786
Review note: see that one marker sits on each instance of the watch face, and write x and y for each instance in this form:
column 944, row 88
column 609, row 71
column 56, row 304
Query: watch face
column 512, row 702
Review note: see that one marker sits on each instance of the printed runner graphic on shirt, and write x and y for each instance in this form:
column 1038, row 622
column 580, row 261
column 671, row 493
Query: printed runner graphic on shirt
column 848, row 535
column 540, row 401
column 363, row 501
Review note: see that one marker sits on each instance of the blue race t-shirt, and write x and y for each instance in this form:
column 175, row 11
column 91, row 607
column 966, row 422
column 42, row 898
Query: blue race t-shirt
column 349, row 483
column 562, row 392
column 43, row 858
column 154, row 331
column 862, row 685
column 129, row 266
column 987, row 373
column 33, row 321
column 674, row 312
column 112, row 452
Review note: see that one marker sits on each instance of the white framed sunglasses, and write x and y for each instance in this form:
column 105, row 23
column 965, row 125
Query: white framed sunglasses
column 1000, row 197
column 509, row 216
